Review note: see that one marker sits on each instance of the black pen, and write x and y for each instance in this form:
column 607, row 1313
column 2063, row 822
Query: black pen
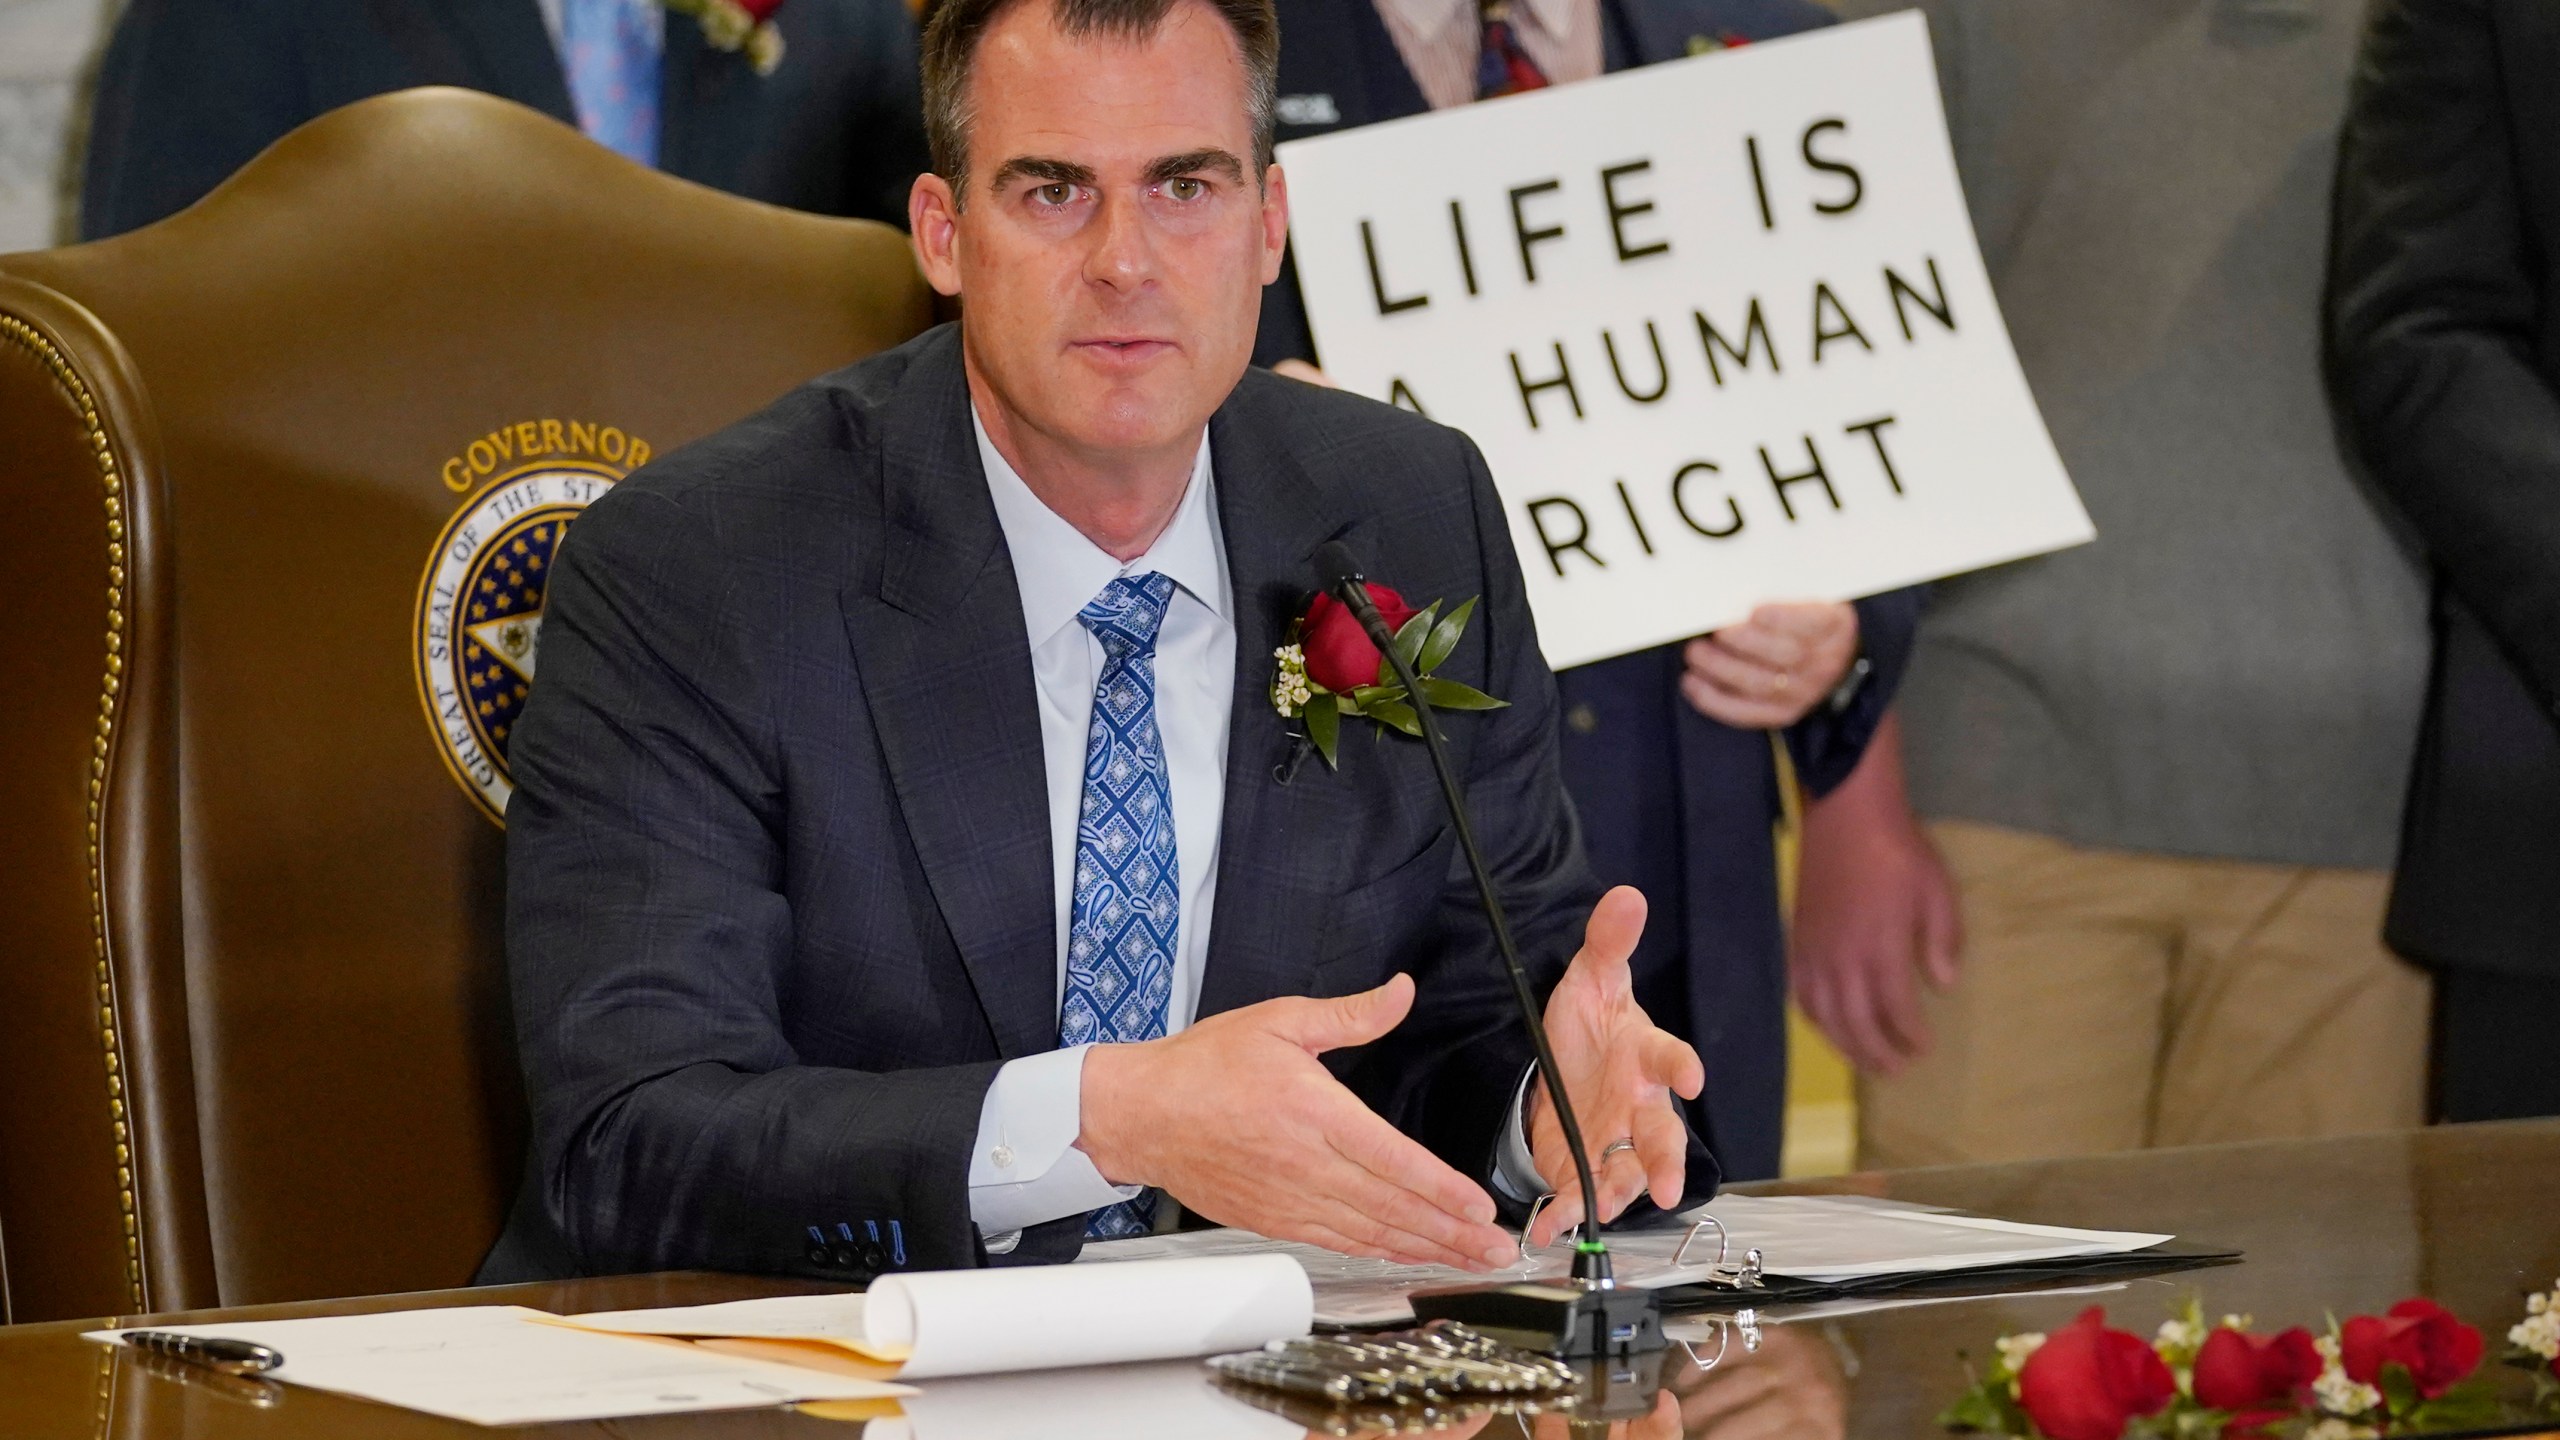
column 230, row 1357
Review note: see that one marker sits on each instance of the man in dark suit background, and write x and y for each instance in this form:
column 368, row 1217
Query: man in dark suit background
column 191, row 89
column 1666, row 751
column 2445, row 348
column 904, row 777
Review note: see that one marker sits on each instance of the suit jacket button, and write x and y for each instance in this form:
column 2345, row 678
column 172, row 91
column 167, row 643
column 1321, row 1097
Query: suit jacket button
column 844, row 1257
column 875, row 1258
column 1583, row 719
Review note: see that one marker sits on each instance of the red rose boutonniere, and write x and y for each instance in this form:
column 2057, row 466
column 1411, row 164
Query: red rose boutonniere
column 2411, row 1368
column 1329, row 668
column 737, row 25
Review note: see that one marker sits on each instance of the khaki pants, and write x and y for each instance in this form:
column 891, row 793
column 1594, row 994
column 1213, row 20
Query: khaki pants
column 2112, row 1000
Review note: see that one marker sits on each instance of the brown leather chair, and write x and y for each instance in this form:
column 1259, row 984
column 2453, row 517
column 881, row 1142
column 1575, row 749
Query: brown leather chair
column 253, row 1032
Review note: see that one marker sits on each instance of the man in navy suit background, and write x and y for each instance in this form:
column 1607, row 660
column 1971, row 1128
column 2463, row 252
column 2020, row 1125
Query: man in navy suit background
column 1665, row 750
column 192, row 89
column 906, row 843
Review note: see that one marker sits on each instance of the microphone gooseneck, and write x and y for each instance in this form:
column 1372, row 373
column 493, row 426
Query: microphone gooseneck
column 1340, row 573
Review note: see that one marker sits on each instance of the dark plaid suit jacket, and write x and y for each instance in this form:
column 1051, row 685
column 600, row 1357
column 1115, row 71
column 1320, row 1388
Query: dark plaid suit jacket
column 778, row 862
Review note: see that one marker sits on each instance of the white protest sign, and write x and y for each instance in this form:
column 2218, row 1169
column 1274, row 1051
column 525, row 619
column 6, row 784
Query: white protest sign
column 1720, row 326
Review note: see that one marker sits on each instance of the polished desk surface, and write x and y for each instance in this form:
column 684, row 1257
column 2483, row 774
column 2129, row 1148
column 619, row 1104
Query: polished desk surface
column 2468, row 1215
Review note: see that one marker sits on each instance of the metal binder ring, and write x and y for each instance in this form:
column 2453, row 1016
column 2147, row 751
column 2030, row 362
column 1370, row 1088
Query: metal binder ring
column 1724, row 1243
column 1532, row 1223
column 1721, row 1273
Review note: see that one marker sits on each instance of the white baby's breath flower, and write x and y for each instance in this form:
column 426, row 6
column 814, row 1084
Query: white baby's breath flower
column 2327, row 1345
column 2179, row 1335
column 2014, row 1349
column 2339, row 1395
column 2540, row 1333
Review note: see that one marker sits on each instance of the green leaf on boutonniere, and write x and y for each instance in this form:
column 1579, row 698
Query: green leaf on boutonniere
column 1359, row 701
column 1450, row 695
column 1444, row 639
column 1409, row 638
column 2399, row 1389
column 1394, row 712
column 2470, row 1405
column 1324, row 727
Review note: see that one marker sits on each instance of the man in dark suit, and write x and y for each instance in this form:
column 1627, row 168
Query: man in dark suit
column 1667, row 751
column 191, row 89
column 2444, row 338
column 908, row 854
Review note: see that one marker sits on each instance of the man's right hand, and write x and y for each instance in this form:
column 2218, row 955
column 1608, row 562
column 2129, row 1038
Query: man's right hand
column 1875, row 914
column 1235, row 1118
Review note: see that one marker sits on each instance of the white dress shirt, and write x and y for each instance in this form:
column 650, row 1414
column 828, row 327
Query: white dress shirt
column 1025, row 1168
column 1442, row 41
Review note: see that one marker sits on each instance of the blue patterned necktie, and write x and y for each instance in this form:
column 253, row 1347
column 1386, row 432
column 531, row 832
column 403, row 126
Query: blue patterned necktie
column 610, row 52
column 1128, row 891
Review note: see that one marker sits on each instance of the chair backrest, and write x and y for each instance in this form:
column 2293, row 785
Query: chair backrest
column 281, row 475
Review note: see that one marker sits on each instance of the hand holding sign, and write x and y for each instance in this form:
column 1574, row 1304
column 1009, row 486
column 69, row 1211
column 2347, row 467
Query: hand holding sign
column 1770, row 671
column 1719, row 325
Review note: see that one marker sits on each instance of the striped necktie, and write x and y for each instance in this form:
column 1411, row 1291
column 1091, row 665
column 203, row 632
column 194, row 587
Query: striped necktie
column 1503, row 68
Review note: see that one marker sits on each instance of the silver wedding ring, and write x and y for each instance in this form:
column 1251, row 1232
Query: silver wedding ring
column 1614, row 1147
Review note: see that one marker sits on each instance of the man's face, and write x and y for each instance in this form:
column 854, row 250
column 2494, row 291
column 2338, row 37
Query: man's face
column 1114, row 243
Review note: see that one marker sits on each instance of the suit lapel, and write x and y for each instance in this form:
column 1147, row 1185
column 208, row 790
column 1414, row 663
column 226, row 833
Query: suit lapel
column 510, row 49
column 1280, row 851
column 946, row 670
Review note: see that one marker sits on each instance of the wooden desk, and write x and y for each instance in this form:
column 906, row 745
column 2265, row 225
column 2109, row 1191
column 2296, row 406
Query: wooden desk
column 2467, row 1215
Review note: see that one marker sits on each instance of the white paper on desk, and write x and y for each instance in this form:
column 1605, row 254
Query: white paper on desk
column 496, row 1365
column 1813, row 1237
column 981, row 1322
column 1820, row 1237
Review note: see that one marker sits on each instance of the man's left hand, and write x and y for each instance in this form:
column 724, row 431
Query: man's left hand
column 1769, row 672
column 1621, row 1070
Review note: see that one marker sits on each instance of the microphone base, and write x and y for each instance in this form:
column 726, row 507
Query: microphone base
column 1563, row 1320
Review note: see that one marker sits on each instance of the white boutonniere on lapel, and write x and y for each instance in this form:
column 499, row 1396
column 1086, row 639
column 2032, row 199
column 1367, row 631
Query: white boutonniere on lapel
column 1329, row 669
column 739, row 26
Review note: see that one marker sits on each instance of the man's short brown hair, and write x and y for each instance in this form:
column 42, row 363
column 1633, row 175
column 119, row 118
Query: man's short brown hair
column 952, row 32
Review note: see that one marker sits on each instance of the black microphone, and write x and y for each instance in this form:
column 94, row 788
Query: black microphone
column 1593, row 1317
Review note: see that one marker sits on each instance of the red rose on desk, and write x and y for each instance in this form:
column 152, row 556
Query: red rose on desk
column 2239, row 1371
column 2086, row 1381
column 1339, row 655
column 2439, row 1350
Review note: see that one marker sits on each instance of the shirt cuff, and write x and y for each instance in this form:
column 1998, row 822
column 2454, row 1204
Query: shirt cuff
column 1515, row 1170
column 1025, row 1168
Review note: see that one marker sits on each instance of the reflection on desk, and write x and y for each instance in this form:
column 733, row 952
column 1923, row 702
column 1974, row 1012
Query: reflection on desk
column 1751, row 1382
column 2461, row 1214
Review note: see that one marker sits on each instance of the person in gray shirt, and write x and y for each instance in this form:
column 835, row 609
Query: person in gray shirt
column 2164, row 771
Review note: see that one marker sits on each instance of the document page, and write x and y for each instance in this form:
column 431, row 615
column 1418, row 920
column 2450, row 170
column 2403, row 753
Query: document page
column 499, row 1365
column 1811, row 1237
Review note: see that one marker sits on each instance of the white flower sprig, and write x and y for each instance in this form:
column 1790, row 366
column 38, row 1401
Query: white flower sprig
column 2338, row 1395
column 1290, row 689
column 2538, row 1333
